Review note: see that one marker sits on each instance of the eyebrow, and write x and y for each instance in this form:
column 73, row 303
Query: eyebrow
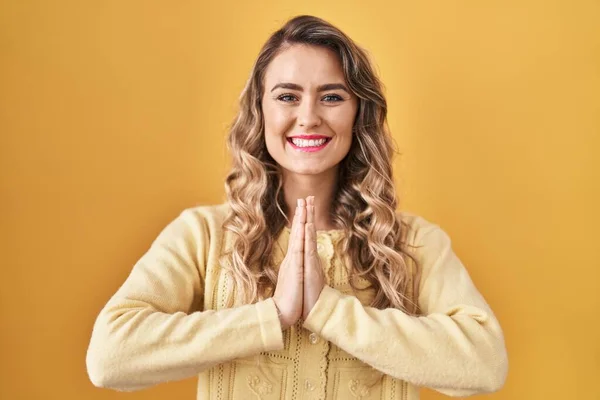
column 321, row 88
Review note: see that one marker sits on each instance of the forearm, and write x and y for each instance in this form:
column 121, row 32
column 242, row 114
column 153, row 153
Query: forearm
column 459, row 352
column 133, row 346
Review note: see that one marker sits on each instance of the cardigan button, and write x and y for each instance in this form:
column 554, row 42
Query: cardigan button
column 309, row 385
column 313, row 338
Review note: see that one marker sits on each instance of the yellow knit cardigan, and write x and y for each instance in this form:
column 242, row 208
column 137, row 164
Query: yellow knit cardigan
column 169, row 321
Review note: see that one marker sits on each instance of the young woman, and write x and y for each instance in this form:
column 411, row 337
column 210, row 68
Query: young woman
column 307, row 283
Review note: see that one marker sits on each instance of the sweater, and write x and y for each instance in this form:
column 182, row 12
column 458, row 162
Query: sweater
column 169, row 321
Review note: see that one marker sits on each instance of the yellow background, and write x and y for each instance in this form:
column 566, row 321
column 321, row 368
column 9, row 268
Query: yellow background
column 113, row 117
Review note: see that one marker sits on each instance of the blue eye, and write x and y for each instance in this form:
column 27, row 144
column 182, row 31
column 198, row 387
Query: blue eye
column 332, row 98
column 287, row 98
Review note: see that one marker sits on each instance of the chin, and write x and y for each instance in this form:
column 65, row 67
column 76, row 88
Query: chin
column 309, row 170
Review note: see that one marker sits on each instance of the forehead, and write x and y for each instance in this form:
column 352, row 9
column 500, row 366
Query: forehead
column 304, row 65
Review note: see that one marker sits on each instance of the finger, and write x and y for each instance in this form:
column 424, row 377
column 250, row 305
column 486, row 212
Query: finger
column 310, row 216
column 302, row 204
column 297, row 225
column 298, row 245
column 310, row 234
column 314, row 228
column 294, row 228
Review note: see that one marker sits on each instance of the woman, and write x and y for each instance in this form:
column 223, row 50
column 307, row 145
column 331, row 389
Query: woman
column 306, row 283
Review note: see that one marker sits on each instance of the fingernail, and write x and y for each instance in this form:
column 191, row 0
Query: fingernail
column 299, row 202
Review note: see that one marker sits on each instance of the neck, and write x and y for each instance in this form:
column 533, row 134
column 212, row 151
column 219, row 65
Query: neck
column 322, row 187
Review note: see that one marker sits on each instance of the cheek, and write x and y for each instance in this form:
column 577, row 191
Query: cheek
column 276, row 119
column 342, row 121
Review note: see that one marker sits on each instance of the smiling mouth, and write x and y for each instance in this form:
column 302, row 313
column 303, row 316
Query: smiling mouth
column 309, row 146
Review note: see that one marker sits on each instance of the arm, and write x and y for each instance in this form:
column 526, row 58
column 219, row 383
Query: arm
column 146, row 333
column 457, row 347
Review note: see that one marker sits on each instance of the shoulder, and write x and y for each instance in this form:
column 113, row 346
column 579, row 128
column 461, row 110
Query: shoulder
column 198, row 224
column 427, row 240
column 210, row 216
column 419, row 230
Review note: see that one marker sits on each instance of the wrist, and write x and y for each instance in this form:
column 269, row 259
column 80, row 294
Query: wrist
column 281, row 321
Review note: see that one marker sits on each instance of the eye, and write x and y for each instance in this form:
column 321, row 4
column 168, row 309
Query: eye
column 287, row 98
column 332, row 98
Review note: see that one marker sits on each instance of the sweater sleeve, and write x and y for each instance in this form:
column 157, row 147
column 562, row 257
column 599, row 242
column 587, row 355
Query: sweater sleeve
column 147, row 333
column 456, row 347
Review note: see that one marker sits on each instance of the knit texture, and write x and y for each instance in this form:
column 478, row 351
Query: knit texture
column 169, row 321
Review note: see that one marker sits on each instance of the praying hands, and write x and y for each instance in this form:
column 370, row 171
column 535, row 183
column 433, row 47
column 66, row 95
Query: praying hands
column 301, row 278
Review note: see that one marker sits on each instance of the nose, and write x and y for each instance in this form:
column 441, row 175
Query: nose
column 308, row 115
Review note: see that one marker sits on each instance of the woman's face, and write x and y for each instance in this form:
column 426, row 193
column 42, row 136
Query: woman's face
column 308, row 110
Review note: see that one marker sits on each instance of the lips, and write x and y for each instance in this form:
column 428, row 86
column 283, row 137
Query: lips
column 309, row 149
column 308, row 137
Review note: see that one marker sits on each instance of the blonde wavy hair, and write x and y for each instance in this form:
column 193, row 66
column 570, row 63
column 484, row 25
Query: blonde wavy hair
column 365, row 201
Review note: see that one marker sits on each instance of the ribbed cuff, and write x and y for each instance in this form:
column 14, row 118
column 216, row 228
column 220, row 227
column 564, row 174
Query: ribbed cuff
column 270, row 327
column 322, row 310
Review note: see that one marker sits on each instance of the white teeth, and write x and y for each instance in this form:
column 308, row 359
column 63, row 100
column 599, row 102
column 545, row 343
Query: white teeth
column 308, row 143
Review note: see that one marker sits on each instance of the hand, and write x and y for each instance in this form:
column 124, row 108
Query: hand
column 314, row 277
column 288, row 294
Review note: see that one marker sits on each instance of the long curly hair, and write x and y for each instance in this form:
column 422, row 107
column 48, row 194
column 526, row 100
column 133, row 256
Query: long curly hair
column 364, row 204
